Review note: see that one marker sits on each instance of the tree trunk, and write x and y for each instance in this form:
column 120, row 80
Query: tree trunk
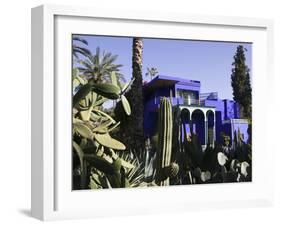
column 134, row 127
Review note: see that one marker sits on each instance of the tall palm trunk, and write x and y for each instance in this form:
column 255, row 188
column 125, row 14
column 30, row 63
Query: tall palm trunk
column 135, row 97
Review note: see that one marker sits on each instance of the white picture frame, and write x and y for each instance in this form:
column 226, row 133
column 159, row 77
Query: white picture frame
column 52, row 197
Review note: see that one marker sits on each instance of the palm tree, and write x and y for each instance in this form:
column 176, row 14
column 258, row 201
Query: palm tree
column 78, row 49
column 151, row 72
column 134, row 125
column 100, row 66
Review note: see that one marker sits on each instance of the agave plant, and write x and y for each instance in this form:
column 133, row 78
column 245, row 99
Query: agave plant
column 135, row 173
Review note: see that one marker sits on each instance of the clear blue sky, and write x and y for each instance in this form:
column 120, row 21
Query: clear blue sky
column 208, row 62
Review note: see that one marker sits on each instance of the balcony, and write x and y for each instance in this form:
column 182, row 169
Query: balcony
column 154, row 103
column 190, row 101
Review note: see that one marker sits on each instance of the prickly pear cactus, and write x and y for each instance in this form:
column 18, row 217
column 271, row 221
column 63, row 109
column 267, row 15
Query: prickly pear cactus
column 93, row 144
column 164, row 151
column 172, row 170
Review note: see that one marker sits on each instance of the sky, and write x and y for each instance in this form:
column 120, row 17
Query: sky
column 206, row 61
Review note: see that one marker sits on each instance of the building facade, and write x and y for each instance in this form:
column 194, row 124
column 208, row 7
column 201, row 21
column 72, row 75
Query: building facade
column 202, row 113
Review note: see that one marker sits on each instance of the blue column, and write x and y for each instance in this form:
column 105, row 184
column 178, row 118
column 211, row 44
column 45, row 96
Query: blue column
column 214, row 133
column 206, row 132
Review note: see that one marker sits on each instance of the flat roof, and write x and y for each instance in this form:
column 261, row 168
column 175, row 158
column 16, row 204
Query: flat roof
column 166, row 81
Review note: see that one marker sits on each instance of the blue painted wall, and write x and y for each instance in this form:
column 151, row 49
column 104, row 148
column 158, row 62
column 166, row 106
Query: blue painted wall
column 231, row 109
column 225, row 109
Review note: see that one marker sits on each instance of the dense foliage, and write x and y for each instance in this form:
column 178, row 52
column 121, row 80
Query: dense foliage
column 240, row 81
column 95, row 162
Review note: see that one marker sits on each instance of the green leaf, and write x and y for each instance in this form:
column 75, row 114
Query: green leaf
column 100, row 163
column 113, row 78
column 79, row 152
column 75, row 72
column 100, row 129
column 81, row 80
column 104, row 114
column 90, row 100
column 127, row 86
column 82, row 93
column 221, row 158
column 94, row 182
column 127, row 164
column 95, row 116
column 126, row 105
column 86, row 115
column 83, row 143
column 107, row 141
column 75, row 83
column 83, row 130
column 205, row 176
column 107, row 90
column 114, row 180
column 113, row 127
column 75, row 76
column 100, row 101
column 94, row 98
column 244, row 166
column 117, row 164
column 76, row 120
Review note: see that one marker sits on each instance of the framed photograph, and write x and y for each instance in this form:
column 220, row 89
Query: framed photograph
column 138, row 112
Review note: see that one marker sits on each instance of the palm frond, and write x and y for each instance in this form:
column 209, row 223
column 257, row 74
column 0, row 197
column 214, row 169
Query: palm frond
column 80, row 40
column 100, row 66
column 77, row 49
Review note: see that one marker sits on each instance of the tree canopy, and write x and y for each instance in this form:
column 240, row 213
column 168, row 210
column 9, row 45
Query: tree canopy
column 241, row 84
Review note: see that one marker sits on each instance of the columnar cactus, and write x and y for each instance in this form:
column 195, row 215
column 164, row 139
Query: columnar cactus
column 164, row 151
column 176, row 143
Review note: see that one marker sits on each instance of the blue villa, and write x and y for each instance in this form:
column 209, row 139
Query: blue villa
column 204, row 113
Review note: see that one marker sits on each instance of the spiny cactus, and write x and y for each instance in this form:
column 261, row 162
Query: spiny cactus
column 82, row 93
column 91, row 134
column 107, row 141
column 107, row 90
column 163, row 156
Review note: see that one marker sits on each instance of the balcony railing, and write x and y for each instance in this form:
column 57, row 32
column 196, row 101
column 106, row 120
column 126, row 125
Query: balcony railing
column 176, row 101
column 188, row 101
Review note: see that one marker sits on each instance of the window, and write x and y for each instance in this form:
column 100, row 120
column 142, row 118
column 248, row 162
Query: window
column 189, row 97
